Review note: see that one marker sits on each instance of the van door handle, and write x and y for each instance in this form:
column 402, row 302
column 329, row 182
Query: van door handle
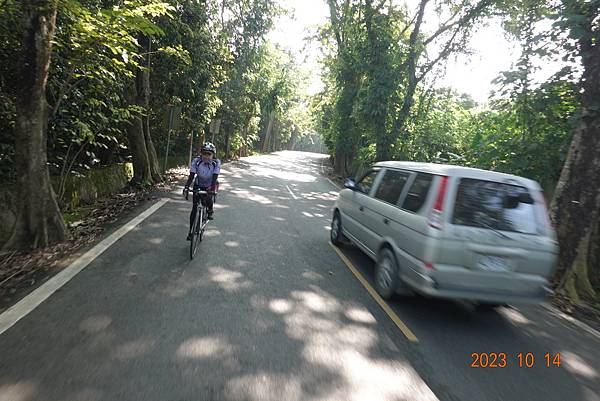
column 362, row 208
column 386, row 221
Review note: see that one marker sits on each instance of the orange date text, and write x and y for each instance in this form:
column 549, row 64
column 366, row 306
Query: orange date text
column 492, row 360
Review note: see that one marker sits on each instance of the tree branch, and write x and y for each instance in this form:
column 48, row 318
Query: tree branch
column 473, row 12
column 64, row 89
column 380, row 6
column 335, row 22
column 408, row 25
column 444, row 53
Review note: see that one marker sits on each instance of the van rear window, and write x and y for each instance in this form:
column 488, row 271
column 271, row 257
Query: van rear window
column 494, row 205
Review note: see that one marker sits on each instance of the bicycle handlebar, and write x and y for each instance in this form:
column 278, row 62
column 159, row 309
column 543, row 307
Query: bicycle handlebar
column 196, row 192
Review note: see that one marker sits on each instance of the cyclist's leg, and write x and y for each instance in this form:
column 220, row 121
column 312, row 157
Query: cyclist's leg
column 196, row 201
column 205, row 200
column 209, row 200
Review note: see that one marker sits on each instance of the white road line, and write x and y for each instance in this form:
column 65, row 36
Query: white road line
column 39, row 295
column 293, row 196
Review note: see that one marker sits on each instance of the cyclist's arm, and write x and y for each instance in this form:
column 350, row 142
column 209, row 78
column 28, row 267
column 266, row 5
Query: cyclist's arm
column 216, row 173
column 190, row 179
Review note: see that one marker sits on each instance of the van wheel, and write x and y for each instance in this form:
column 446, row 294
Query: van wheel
column 337, row 237
column 386, row 273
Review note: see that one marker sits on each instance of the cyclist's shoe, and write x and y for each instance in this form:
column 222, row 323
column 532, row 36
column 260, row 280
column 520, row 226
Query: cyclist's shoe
column 189, row 237
column 210, row 215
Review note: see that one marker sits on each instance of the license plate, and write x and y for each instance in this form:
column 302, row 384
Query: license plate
column 492, row 263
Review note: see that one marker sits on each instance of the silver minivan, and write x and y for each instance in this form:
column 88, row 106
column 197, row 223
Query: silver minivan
column 450, row 232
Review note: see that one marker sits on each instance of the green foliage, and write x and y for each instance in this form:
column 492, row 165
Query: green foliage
column 187, row 71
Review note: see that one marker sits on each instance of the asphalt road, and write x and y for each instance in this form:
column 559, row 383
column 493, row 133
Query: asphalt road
column 268, row 311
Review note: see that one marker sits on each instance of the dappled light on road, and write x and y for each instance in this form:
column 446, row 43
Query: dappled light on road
column 228, row 280
column 252, row 196
column 133, row 349
column 360, row 315
column 578, row 366
column 328, row 196
column 212, row 232
column 265, row 386
column 515, row 316
column 18, row 391
column 204, row 347
column 184, row 283
column 267, row 311
column 268, row 172
column 95, row 324
column 315, row 318
column 280, row 305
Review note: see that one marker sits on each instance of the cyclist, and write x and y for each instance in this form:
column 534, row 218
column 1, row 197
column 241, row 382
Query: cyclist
column 205, row 168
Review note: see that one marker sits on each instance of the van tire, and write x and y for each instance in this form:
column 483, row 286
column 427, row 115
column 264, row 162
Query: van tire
column 386, row 273
column 337, row 236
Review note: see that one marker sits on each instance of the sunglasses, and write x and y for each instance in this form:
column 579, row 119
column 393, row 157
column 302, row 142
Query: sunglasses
column 206, row 153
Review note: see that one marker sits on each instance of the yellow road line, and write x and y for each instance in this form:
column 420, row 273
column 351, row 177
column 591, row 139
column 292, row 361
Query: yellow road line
column 386, row 308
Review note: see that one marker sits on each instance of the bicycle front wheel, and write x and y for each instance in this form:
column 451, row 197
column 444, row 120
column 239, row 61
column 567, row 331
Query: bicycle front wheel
column 194, row 236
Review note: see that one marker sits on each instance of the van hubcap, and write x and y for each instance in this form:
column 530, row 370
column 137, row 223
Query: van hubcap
column 384, row 273
column 335, row 227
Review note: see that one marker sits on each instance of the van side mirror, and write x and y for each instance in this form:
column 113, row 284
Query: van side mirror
column 350, row 184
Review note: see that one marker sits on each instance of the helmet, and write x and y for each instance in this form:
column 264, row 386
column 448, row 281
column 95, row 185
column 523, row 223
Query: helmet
column 209, row 147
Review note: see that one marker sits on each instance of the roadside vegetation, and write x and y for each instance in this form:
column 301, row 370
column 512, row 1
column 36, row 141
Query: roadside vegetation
column 86, row 84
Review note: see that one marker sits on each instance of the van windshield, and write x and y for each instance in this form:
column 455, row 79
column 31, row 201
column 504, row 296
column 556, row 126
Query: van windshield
column 494, row 205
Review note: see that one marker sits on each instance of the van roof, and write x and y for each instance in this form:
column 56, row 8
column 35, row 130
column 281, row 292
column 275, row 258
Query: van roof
column 457, row 171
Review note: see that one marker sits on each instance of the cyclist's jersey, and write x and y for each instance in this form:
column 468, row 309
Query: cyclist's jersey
column 205, row 171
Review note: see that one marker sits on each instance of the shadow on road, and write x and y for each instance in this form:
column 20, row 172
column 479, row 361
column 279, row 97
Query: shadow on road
column 267, row 312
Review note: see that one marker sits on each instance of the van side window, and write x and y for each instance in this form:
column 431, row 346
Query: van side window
column 391, row 186
column 365, row 184
column 415, row 198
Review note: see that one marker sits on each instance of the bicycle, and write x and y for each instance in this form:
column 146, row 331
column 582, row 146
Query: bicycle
column 199, row 223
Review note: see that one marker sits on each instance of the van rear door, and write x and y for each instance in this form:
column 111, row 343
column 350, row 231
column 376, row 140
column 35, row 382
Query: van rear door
column 496, row 227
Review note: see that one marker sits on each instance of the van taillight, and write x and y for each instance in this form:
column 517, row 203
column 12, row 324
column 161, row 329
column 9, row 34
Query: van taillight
column 435, row 220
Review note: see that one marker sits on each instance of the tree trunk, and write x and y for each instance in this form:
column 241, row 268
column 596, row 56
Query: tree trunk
column 399, row 125
column 293, row 140
column 144, row 91
column 576, row 202
column 594, row 256
column 227, row 145
column 244, row 147
column 39, row 221
column 267, row 140
column 142, row 175
column 145, row 161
